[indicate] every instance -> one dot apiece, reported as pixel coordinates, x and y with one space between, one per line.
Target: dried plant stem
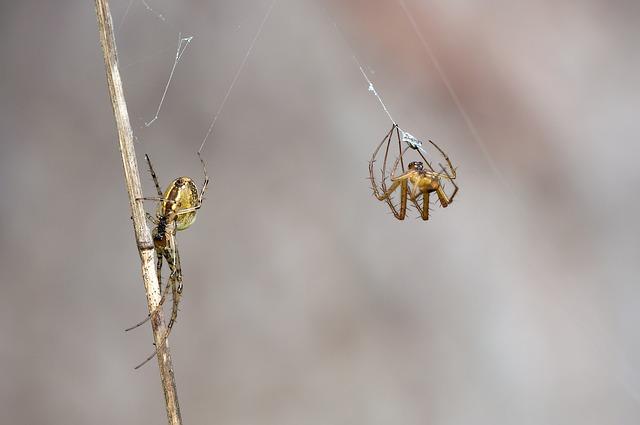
142 234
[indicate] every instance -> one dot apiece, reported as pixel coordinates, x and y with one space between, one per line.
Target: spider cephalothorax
416 181
176 211
416 165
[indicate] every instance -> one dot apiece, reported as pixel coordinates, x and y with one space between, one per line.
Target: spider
176 211
415 181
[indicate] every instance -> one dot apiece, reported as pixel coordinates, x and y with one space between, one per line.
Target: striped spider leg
176 211
379 192
415 182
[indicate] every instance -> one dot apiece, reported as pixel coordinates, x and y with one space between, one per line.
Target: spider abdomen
181 194
425 183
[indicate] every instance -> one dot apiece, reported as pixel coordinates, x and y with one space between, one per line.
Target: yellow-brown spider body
422 180
177 208
181 194
414 183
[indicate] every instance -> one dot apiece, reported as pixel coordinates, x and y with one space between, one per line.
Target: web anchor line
411 141
454 95
237 75
406 137
182 46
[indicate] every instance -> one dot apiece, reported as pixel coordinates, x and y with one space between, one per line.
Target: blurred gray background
305 301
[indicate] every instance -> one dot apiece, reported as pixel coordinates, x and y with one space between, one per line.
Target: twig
142 234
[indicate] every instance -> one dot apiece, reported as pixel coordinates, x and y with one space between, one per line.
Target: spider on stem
176 211
415 182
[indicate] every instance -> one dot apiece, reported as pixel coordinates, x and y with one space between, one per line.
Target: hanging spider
414 182
176 211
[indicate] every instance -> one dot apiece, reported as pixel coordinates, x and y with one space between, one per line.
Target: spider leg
163 294
402 182
453 170
165 291
176 275
398 138
403 200
396 181
152 355
426 161
164 339
206 179
375 152
444 199
424 210
153 175
379 192
155 198
188 210
399 160
414 195
176 287
151 218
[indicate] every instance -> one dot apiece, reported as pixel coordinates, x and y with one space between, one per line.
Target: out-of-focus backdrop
305 301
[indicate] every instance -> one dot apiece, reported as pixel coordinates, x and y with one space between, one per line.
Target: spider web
235 77
406 137
167 93
454 95
183 43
